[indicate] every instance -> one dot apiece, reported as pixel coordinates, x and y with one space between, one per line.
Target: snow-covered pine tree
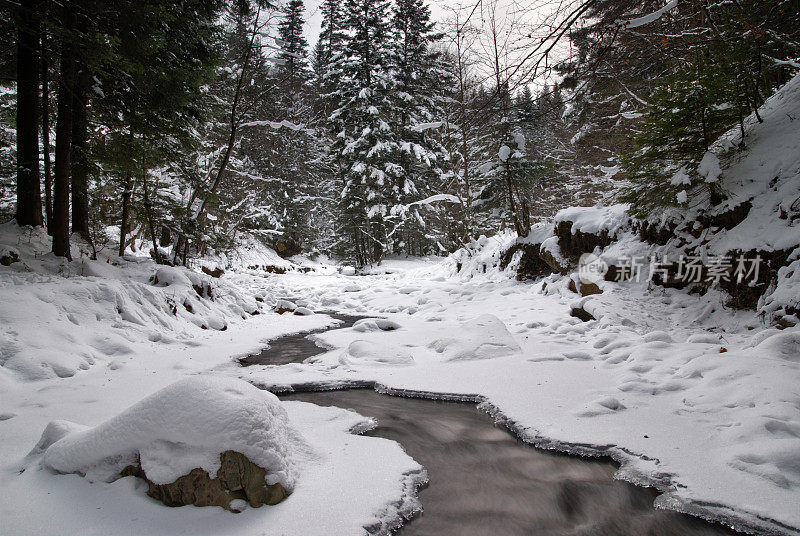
331 41
548 153
361 125
290 150
293 56
419 78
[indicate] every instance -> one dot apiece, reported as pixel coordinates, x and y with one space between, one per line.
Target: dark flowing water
484 481
295 348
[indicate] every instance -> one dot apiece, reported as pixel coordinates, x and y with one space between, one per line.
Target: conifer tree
419 79
364 139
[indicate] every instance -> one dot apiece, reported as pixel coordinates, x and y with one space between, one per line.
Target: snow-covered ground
83 347
697 399
700 400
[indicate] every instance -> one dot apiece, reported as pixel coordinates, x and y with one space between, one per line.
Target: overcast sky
439 12
531 19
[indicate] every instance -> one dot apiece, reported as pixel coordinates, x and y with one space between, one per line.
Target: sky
531 18
439 13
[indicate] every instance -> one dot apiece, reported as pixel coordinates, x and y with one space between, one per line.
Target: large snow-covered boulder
180 436
483 337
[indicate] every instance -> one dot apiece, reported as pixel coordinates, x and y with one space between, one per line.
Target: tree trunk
165 236
148 207
29 196
234 126
48 177
127 193
79 157
64 140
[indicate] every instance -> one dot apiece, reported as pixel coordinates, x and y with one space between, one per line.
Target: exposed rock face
656 234
531 264
237 478
548 258
584 289
574 245
581 314
746 293
728 219
287 248
8 257
216 272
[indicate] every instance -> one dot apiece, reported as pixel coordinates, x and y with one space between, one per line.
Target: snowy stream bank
646 384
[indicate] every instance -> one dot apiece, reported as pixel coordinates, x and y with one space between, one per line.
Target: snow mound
64 317
767 175
252 254
482 256
170 275
483 337
375 324
185 425
362 352
593 220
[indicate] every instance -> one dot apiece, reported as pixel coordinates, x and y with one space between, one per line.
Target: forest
186 124
413 267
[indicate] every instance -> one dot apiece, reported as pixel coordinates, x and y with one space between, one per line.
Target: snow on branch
427 126
647 19
274 124
434 198
402 210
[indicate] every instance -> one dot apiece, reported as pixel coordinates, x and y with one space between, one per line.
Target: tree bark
148 207
165 236
127 193
48 177
66 86
29 196
79 156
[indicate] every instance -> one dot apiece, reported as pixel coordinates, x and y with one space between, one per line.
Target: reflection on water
483 481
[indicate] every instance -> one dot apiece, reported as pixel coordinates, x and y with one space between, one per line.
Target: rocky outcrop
8 257
555 265
531 265
656 234
215 273
237 479
573 245
287 248
746 293
584 289
726 220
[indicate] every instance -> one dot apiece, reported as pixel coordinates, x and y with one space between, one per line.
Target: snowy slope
83 341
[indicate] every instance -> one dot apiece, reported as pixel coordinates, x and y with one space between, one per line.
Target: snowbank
594 220
184 426
70 316
252 254
483 337
362 352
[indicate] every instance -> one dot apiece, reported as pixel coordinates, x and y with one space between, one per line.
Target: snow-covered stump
177 438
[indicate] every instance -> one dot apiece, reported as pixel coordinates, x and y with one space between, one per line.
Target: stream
483 480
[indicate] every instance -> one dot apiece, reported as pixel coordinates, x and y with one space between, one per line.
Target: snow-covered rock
593 220
186 425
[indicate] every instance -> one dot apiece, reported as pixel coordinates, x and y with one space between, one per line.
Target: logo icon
591 268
